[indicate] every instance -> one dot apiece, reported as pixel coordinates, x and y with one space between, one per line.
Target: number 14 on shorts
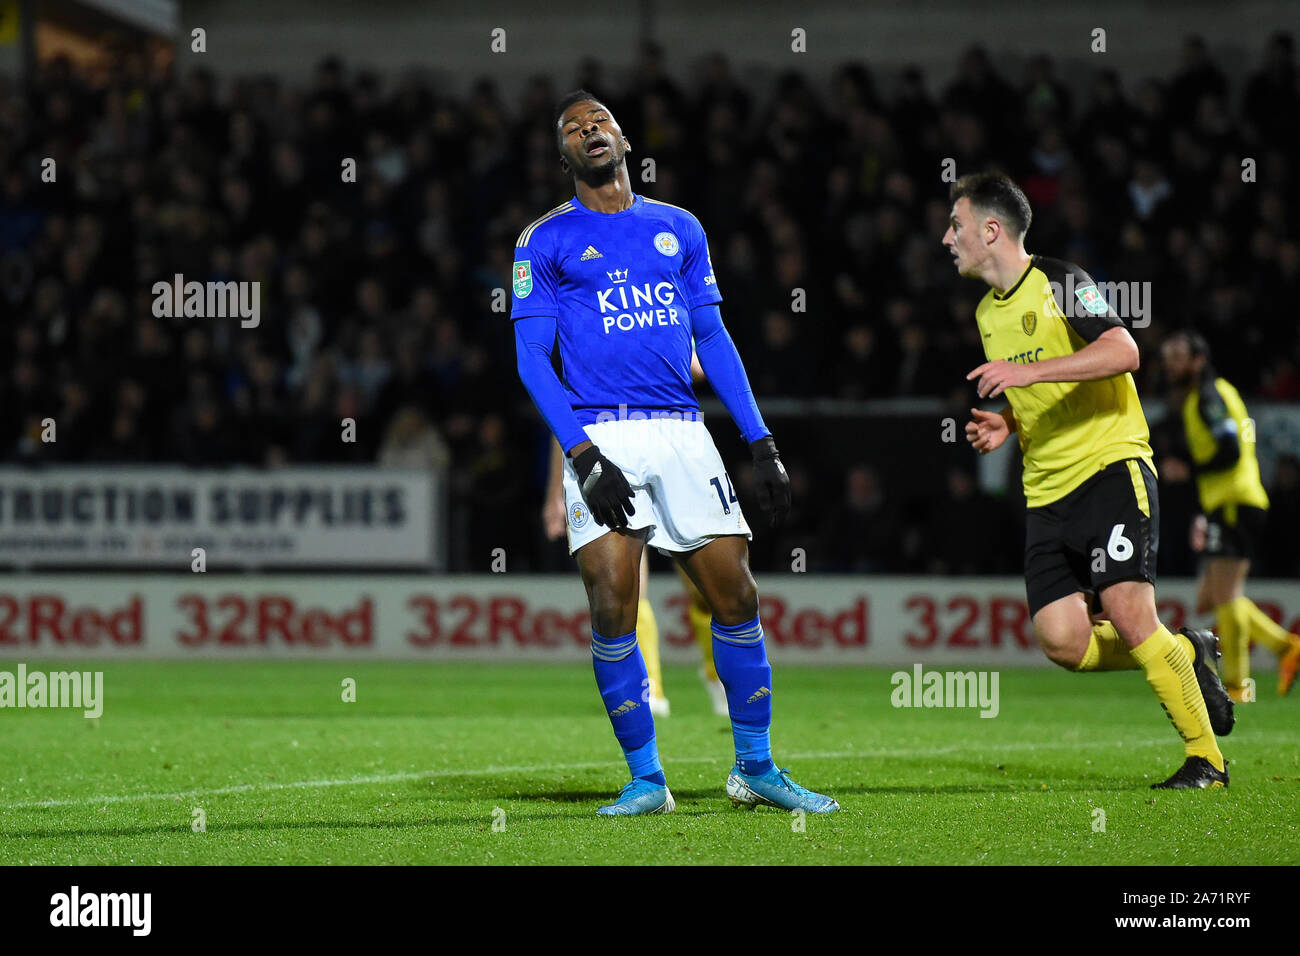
729 497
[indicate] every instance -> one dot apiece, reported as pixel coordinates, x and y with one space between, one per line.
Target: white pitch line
545 768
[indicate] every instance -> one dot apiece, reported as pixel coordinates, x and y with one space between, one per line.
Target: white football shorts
681 491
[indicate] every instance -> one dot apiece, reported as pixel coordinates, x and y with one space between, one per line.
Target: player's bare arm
1113 353
697 371
553 513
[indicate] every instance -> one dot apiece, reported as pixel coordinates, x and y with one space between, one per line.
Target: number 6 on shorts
1119 547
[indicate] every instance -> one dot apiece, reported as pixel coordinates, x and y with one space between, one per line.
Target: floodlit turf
415 771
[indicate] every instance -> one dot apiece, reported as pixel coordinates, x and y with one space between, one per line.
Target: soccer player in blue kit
622 284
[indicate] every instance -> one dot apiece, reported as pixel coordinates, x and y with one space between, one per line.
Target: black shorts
1106 530
1238 537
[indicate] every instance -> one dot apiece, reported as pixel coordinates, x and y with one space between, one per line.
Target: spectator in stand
862 533
964 516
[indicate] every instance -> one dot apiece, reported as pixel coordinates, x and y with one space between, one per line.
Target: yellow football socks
1263 630
1233 623
1168 667
701 624
1107 651
647 637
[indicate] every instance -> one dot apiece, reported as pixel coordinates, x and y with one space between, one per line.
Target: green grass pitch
431 756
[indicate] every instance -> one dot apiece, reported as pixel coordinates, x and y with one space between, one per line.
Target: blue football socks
625 688
740 657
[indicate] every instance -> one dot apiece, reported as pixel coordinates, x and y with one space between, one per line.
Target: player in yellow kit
1220 437
1063 359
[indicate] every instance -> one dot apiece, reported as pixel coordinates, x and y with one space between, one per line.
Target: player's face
1179 364
592 146
962 239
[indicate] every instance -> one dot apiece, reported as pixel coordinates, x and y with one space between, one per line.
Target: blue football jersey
621 287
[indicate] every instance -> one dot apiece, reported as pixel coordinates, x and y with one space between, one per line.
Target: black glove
604 487
771 483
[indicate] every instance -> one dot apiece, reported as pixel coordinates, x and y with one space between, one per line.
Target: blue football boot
776 789
640 797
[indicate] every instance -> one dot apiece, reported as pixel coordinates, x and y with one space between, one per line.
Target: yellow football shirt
1213 410
1068 431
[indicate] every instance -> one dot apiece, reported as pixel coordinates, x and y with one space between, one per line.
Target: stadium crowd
377 296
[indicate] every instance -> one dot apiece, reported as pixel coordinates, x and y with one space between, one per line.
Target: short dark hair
567 100
1194 341
995 192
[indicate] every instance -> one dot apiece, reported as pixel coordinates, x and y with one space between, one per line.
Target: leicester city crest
578 515
1029 322
523 278
666 243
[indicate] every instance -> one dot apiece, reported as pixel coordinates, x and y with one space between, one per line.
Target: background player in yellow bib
1064 359
1220 438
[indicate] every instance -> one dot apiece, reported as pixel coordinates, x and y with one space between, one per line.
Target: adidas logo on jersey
592 253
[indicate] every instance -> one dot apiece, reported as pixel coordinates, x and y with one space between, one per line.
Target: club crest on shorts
666 243
578 515
523 278
1029 322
